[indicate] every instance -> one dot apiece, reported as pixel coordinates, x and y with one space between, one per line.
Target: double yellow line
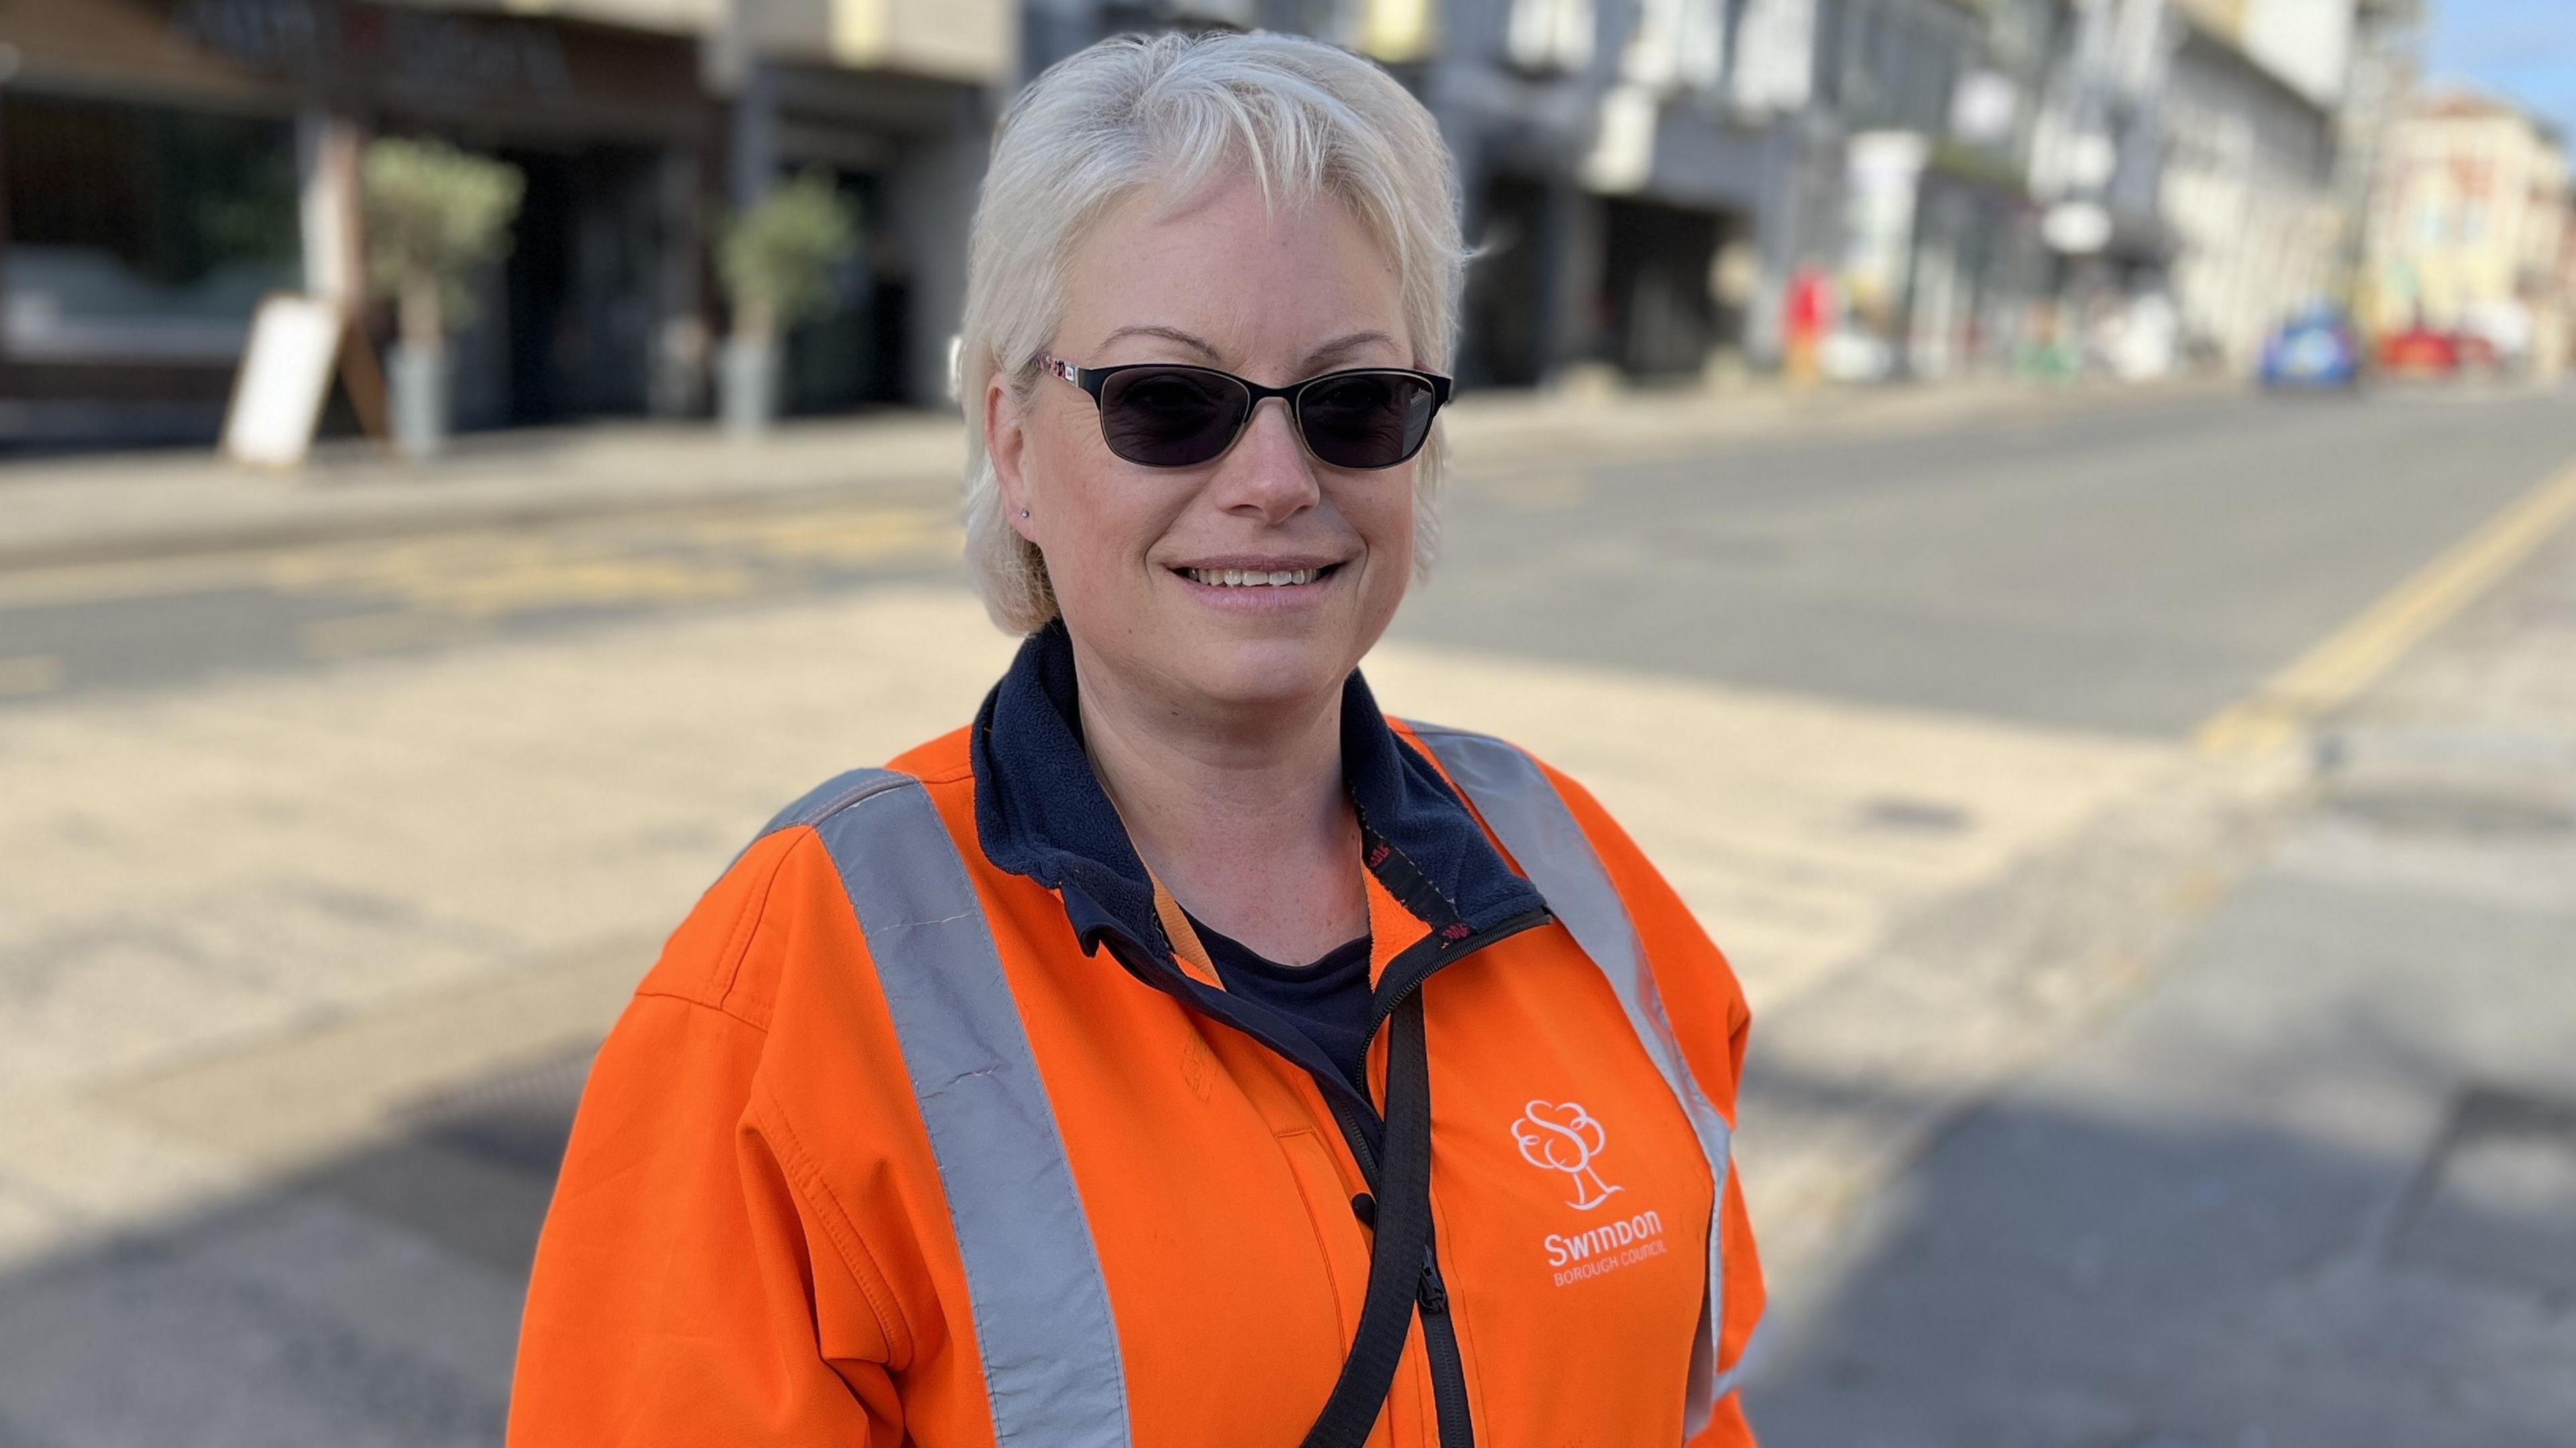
2329 675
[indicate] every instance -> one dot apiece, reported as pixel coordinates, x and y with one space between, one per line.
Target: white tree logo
1562 1136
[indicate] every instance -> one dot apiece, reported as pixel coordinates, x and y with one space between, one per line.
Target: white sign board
1622 158
285 375
1983 106
1775 54
1884 173
2078 228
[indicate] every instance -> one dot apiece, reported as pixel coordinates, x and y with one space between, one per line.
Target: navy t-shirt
1329 1000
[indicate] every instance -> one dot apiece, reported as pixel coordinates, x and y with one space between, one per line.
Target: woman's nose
1267 469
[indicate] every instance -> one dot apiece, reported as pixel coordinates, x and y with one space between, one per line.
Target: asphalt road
2130 570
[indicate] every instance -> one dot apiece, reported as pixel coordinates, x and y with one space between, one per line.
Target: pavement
2081 1046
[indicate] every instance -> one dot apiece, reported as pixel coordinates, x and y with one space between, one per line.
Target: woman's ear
1006 442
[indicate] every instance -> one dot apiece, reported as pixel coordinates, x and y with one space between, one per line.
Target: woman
1174 1057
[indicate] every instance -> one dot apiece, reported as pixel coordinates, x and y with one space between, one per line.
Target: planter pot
418 383
749 377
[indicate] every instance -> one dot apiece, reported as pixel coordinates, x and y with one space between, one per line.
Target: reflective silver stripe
1533 822
1043 1325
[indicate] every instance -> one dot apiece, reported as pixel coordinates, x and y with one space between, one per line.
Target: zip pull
1434 1294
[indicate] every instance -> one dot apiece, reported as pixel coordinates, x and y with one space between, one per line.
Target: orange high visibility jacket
888 1148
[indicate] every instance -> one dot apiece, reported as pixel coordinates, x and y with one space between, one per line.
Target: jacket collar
1040 812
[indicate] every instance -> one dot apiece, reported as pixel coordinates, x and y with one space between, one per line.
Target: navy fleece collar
1040 811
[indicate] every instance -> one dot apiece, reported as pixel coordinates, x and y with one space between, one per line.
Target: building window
141 231
1544 36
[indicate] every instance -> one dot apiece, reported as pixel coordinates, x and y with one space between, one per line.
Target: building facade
2470 229
165 163
1652 187
1637 176
2203 167
1940 265
2250 181
896 101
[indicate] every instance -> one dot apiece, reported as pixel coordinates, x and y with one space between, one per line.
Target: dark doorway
1661 311
852 355
580 286
1507 292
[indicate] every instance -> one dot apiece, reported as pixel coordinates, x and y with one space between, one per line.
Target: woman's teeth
1252 577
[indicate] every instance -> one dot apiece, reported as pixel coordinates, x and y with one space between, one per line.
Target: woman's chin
1264 673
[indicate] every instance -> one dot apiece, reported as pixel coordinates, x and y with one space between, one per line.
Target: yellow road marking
489 576
30 674
2332 673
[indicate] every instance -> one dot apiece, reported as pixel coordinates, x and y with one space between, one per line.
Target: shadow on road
371 1298
2050 1279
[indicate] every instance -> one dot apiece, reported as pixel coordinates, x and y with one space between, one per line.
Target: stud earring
1024 512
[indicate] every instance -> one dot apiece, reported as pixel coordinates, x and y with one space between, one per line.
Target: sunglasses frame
1095 380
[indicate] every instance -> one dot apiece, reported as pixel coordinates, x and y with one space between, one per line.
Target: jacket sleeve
689 1288
1708 1014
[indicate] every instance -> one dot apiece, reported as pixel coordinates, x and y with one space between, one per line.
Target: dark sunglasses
1167 415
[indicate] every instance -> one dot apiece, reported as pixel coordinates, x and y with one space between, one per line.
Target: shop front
165 163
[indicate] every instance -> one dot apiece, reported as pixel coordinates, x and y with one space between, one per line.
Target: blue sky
2523 49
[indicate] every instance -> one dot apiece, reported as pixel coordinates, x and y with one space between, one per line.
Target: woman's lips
1284 585
1283 575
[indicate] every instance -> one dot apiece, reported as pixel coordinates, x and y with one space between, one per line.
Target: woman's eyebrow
1314 360
1341 347
1196 344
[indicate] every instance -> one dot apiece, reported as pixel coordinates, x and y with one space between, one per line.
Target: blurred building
164 163
1939 262
1645 180
1636 174
896 99
2250 116
1652 186
2387 46
2471 228
2206 168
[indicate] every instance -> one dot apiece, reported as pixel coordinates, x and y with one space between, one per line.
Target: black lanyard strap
1401 1256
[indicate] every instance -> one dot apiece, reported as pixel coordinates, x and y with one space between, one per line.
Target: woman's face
1273 298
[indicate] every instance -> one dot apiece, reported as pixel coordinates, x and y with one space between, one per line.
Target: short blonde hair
1178 113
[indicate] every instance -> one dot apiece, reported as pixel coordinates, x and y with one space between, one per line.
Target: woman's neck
1244 817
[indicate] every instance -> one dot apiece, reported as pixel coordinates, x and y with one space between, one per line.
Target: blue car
2314 350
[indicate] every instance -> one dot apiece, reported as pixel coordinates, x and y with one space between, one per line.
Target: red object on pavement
2419 352
1807 305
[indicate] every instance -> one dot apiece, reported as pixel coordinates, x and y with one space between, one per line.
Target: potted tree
776 260
434 215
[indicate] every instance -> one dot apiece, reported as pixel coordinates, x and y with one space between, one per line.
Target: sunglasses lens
1367 419
1171 419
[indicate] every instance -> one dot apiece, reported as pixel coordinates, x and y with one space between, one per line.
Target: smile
1256 577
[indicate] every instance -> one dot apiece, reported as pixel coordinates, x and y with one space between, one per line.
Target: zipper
1431 1292
1448 1369
1431 1296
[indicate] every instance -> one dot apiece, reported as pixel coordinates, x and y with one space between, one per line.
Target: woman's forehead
1230 273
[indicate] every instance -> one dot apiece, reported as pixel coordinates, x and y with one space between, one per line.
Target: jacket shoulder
782 898
937 761
1476 763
